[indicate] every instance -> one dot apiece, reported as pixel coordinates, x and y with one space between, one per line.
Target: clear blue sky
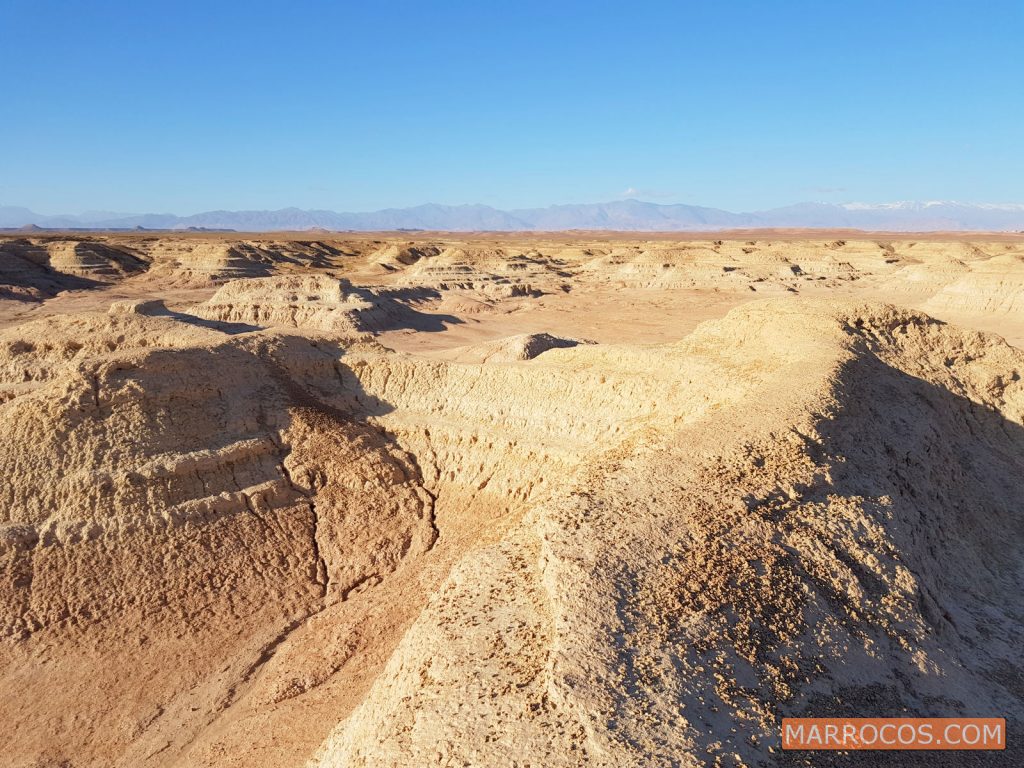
187 106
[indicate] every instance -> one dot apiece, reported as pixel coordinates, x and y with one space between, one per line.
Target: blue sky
189 106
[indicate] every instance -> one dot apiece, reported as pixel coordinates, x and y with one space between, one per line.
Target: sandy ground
505 500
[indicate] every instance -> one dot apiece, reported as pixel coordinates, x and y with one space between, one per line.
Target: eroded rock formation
313 517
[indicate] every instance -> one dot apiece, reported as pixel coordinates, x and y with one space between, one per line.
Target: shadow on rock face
393 310
319 303
157 308
201 504
26 274
886 584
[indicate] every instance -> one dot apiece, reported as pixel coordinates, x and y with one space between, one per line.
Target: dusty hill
599 502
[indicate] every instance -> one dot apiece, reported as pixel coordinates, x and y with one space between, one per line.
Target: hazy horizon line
852 204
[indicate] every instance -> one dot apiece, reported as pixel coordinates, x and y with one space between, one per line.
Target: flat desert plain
414 499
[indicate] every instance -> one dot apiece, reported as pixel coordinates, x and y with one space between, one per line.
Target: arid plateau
325 500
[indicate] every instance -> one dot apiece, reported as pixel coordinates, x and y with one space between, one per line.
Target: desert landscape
580 499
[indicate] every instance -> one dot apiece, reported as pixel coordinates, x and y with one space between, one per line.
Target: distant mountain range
628 215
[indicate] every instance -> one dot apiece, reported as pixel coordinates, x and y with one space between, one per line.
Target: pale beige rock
523 346
317 302
371 501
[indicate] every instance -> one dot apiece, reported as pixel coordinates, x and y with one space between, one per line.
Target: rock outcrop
299 519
